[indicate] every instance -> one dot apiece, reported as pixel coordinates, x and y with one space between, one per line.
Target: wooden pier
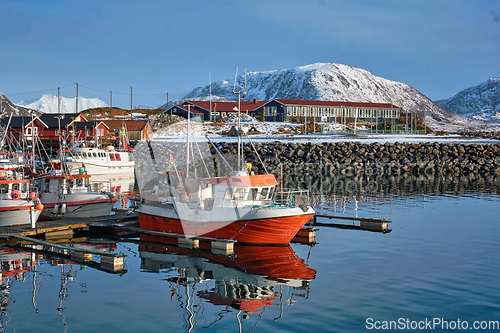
64 227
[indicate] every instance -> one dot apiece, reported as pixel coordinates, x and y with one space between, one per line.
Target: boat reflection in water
252 279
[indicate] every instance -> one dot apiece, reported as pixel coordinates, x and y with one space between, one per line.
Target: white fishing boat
73 195
18 204
100 161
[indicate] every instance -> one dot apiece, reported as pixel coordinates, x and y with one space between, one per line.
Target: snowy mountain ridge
479 102
48 104
333 82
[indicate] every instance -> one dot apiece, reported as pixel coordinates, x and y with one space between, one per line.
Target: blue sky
439 47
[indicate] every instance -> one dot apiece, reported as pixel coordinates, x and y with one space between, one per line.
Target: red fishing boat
242 206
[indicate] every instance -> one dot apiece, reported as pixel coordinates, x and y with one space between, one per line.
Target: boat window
79 182
61 183
69 182
4 188
253 193
111 157
239 194
15 187
271 192
24 187
117 156
84 154
263 193
229 193
94 154
86 182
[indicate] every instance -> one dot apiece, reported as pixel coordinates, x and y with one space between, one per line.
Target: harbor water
437 268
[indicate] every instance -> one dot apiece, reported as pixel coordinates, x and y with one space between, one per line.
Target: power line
81 86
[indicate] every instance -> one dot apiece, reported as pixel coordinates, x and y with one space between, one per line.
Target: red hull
279 230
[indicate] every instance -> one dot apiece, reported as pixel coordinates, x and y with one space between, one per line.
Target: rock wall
354 158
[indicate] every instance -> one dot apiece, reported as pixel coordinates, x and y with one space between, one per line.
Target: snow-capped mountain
479 102
48 104
334 82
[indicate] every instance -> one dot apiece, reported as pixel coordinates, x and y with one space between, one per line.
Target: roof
52 121
227 106
185 108
85 124
18 122
130 125
305 102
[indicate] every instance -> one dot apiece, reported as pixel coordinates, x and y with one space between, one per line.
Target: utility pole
210 99
76 97
130 98
110 99
58 99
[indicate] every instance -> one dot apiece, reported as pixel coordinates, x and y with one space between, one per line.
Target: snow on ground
270 132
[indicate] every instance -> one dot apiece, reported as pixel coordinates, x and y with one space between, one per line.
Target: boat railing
292 198
100 187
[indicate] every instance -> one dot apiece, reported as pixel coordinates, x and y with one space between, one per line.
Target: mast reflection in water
247 282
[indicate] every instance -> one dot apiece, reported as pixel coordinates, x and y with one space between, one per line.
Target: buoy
114 200
56 209
16 195
33 195
39 207
63 208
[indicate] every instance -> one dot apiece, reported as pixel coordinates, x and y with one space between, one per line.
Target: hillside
335 82
118 113
480 102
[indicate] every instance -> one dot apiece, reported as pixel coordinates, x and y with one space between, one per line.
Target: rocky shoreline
355 158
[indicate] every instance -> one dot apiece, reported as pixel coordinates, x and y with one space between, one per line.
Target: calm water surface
441 260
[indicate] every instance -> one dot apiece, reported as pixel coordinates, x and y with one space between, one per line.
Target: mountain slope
335 82
481 101
48 104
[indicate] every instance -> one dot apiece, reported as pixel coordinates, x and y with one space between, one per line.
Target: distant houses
49 127
287 110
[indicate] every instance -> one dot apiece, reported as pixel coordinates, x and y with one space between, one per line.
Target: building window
269 110
29 131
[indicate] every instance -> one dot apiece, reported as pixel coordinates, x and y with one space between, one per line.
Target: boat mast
188 133
239 92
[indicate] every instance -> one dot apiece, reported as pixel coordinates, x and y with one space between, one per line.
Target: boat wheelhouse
98 161
75 196
18 204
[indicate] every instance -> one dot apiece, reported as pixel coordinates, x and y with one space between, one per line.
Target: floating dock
368 224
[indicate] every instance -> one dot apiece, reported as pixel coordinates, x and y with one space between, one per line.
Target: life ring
15 195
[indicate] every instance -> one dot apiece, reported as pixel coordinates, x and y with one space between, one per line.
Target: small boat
241 207
73 195
99 161
18 204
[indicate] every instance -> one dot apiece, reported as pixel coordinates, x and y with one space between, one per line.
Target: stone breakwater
355 158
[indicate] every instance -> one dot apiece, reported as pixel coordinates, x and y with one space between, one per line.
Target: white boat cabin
228 191
14 189
66 184
109 154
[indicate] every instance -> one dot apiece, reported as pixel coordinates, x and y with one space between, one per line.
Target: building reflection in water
252 279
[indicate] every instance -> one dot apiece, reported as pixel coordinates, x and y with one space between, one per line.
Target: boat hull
265 230
15 212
